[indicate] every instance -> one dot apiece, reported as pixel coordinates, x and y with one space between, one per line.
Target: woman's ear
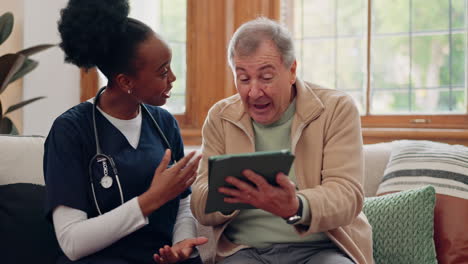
124 83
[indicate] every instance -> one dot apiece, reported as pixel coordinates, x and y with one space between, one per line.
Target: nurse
115 193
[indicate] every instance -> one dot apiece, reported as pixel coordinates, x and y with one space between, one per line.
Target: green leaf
33 50
6 126
9 65
6 26
27 66
19 105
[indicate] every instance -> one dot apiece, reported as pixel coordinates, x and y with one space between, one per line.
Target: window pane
351 67
401 101
350 64
176 104
458 59
395 101
298 27
459 8
169 19
319 18
173 19
390 16
390 74
318 62
421 69
351 17
329 41
430 15
428 56
418 52
390 62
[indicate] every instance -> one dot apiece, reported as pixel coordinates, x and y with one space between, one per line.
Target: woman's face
153 77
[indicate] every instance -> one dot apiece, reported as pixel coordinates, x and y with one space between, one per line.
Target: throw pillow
415 163
402 226
26 235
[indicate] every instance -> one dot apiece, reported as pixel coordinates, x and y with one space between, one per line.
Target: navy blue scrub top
70 146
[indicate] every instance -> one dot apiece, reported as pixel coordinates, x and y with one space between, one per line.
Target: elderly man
314 214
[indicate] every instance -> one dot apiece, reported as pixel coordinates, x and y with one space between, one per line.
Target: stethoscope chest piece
106 182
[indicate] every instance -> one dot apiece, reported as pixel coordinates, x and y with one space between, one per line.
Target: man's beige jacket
327 143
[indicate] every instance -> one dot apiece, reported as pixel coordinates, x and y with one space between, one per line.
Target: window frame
211 23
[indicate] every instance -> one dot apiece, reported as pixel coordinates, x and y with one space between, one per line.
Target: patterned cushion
402 226
416 163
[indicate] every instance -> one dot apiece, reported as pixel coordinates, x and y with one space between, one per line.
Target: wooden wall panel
245 10
89 82
206 58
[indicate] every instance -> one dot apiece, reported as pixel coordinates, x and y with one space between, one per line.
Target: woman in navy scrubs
114 191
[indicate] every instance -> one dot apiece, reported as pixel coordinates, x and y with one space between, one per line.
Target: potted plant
14 66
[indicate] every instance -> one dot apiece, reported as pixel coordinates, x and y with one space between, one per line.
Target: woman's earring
129 91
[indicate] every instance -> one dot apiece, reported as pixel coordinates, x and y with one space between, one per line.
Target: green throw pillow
403 226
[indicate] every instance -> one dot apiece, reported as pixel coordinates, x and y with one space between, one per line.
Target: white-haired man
314 214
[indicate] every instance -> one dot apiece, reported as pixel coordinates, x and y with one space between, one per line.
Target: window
169 19
198 32
406 68
330 41
404 61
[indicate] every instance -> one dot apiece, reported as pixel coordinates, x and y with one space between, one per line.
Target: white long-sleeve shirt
80 236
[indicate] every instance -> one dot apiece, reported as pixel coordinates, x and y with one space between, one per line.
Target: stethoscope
106 160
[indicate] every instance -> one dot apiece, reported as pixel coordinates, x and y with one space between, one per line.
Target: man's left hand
279 200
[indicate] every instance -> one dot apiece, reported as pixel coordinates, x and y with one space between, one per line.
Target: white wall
58 81
14 92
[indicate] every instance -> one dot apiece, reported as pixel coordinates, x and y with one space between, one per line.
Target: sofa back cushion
21 159
415 163
375 161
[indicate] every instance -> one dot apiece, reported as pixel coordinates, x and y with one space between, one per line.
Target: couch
21 214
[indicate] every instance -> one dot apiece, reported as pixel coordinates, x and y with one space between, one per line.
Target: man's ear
293 68
124 82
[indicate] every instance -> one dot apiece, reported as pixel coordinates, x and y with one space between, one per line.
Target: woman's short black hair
100 33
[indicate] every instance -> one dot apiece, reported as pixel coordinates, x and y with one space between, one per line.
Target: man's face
264 83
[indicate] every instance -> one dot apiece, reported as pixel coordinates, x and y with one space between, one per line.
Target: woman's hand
169 182
178 252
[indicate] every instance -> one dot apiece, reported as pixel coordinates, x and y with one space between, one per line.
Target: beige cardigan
327 143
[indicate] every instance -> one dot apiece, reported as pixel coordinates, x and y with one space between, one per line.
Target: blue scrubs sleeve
65 169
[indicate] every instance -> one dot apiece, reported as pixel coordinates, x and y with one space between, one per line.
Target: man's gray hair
248 37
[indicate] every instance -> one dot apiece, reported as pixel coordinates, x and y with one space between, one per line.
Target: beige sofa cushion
21 159
376 157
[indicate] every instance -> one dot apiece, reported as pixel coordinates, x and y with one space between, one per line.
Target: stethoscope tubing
112 163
